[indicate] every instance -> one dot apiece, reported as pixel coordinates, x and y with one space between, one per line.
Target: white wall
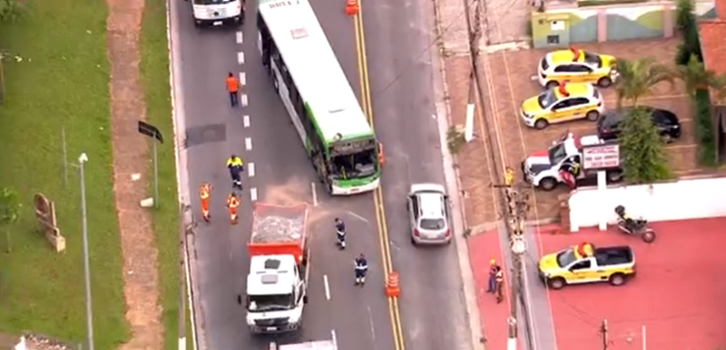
684 199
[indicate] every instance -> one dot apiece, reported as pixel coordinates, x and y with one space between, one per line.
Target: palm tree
637 77
697 77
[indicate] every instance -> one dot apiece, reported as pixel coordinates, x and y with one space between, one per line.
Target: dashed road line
239 37
241 57
253 194
327 287
248 143
244 100
242 78
251 169
246 121
315 194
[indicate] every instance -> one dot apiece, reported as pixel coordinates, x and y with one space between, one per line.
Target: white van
217 12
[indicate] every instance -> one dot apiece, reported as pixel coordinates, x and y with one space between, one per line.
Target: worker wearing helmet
361 267
340 232
236 167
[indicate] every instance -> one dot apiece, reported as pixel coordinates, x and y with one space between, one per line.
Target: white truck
217 12
562 163
312 345
278 277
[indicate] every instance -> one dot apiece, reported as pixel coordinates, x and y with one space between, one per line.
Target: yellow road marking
393 310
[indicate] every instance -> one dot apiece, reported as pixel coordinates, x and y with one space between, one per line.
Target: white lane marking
242 78
253 194
334 337
246 121
248 143
239 37
358 216
251 169
241 57
244 100
327 287
315 194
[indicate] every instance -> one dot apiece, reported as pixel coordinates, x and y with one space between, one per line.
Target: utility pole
517 205
604 334
86 264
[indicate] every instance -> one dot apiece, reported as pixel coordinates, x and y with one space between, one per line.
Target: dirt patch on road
141 280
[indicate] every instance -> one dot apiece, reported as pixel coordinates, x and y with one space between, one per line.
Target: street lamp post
86 264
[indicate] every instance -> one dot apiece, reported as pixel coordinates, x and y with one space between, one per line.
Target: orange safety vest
232 203
381 156
204 191
232 85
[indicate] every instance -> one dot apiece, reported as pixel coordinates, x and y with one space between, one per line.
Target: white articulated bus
335 132
217 12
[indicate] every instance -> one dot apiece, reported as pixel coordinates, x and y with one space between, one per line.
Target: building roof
713 46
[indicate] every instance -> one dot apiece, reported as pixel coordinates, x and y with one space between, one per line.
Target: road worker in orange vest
499 285
232 204
204 193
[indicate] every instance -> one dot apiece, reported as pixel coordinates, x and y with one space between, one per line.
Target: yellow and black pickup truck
584 263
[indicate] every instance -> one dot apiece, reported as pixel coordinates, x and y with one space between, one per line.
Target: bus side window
312 133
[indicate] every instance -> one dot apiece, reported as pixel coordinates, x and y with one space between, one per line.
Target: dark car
667 123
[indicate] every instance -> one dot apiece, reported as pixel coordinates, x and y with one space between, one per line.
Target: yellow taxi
563 103
577 66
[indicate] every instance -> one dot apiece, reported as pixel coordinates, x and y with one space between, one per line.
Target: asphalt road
432 306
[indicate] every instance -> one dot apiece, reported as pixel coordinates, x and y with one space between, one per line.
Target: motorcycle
634 227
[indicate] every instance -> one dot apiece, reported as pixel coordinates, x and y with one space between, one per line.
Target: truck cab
586 264
276 293
562 163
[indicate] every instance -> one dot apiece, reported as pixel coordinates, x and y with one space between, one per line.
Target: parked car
428 211
667 123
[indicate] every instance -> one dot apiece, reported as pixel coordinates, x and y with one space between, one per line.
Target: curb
453 184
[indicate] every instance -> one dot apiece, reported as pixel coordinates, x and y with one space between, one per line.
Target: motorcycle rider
361 267
630 224
340 232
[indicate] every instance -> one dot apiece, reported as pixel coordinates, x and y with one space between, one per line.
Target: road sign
150 131
153 132
603 156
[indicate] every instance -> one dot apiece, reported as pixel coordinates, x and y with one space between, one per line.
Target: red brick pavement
678 294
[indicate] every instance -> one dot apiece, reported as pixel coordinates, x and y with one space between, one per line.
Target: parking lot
675 301
510 77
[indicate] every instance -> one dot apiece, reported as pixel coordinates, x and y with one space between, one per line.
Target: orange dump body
278 230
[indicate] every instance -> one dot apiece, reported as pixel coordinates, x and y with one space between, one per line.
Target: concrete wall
683 199
608 23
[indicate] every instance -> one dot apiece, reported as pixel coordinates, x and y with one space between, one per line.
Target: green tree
686 25
644 159
638 77
696 76
11 10
9 212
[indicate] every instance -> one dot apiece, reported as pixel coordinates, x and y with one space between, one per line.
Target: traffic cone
392 289
351 7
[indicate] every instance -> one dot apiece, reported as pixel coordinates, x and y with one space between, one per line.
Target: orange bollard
392 289
351 7
381 156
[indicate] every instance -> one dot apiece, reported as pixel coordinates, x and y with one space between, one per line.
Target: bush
703 128
643 155
687 26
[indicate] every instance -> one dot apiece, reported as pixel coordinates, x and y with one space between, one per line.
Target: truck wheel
548 183
615 176
617 279
557 283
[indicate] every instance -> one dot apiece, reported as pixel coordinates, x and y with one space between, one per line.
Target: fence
562 24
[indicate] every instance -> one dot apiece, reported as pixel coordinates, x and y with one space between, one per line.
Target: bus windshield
213 2
357 165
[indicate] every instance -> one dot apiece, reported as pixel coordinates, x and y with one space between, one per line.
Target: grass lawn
62 82
155 77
